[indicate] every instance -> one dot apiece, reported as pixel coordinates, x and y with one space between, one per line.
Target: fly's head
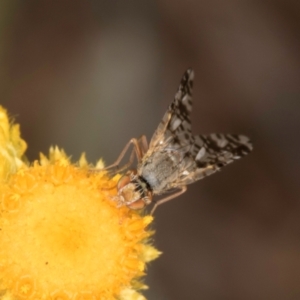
133 191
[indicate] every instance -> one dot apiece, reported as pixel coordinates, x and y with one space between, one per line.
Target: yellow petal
12 147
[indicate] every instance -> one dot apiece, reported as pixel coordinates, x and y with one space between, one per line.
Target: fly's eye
124 180
139 204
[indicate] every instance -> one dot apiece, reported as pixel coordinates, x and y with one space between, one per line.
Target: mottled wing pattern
209 153
201 155
174 131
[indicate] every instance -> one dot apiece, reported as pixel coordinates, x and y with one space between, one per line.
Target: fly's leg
143 145
140 147
168 198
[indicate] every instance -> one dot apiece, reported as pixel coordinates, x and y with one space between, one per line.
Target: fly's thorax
134 191
160 169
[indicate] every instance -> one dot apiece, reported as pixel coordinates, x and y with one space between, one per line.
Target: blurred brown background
89 75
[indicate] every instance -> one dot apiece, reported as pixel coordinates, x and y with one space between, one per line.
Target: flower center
64 236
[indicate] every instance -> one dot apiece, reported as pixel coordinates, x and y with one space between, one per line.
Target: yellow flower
12 147
61 234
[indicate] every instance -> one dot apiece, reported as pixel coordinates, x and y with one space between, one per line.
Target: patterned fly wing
174 130
209 153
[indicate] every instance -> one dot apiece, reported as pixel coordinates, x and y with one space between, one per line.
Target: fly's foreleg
168 198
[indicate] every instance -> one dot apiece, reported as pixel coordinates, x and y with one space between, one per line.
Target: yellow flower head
61 234
12 147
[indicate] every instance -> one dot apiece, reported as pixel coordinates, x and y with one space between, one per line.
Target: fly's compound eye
139 204
124 180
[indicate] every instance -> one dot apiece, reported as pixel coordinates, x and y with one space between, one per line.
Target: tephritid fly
175 157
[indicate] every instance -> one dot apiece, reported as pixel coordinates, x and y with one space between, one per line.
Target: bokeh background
90 75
